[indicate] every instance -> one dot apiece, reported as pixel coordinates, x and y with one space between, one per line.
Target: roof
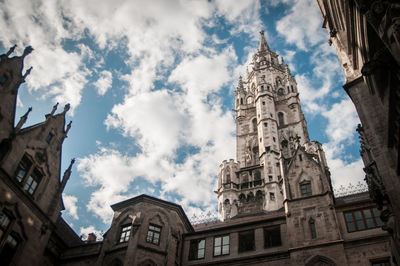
154 200
241 220
66 233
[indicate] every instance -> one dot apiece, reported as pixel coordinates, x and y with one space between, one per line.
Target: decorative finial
68 127
66 176
23 120
27 51
240 83
54 109
67 107
11 50
262 32
28 71
263 43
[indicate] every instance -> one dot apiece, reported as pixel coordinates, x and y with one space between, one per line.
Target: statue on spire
263 43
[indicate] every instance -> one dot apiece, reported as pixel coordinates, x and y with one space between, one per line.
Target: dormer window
32 181
125 233
153 234
49 137
27 175
305 189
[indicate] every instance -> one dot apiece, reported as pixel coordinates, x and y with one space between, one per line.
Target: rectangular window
272 196
221 245
270 178
305 189
23 168
197 249
362 219
125 233
32 181
272 237
5 220
153 234
246 241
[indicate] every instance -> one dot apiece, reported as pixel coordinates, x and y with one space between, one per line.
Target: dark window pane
246 241
359 220
272 237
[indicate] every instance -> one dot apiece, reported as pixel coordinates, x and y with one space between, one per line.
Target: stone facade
366 35
275 201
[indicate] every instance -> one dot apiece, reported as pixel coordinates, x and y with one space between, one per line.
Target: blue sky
151 88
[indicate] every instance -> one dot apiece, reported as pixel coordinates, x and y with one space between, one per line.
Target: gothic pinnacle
240 84
263 43
23 120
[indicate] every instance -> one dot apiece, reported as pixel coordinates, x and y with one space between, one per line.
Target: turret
11 78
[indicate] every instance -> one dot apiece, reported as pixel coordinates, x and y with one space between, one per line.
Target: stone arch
250 196
319 260
147 262
259 195
249 99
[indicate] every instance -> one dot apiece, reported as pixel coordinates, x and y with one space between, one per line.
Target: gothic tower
270 132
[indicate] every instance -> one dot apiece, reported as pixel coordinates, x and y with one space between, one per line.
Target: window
49 137
362 219
381 262
246 241
263 103
272 196
265 124
3 79
5 220
254 122
281 119
23 168
313 231
270 178
272 237
257 178
300 158
32 181
153 234
221 245
305 189
241 100
197 248
125 233
27 175
8 250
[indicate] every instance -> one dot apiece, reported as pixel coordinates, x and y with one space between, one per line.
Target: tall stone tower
270 131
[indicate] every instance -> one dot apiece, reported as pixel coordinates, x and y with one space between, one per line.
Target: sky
151 86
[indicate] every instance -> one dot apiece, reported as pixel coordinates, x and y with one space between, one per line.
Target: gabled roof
156 201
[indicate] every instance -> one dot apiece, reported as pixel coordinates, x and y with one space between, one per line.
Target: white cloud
104 82
85 231
70 203
301 26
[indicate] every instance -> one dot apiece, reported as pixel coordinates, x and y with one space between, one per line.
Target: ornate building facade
366 35
275 200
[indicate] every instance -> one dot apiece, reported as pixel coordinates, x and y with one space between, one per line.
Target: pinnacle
263 43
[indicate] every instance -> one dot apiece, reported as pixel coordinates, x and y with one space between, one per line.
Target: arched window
242 197
226 202
257 178
281 92
291 86
241 100
281 119
259 195
262 88
254 122
249 100
313 231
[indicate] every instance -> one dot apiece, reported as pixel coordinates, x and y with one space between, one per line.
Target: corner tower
270 128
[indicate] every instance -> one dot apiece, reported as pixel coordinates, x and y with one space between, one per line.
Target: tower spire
263 43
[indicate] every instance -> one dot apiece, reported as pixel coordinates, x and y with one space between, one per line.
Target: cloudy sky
151 88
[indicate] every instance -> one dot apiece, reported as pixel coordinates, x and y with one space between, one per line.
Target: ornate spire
27 72
263 43
68 127
11 50
240 84
66 108
66 176
54 109
23 120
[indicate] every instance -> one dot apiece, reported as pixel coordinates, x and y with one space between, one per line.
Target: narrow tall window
153 234
313 231
5 221
281 120
125 233
246 241
272 196
221 245
254 122
197 248
23 168
272 237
